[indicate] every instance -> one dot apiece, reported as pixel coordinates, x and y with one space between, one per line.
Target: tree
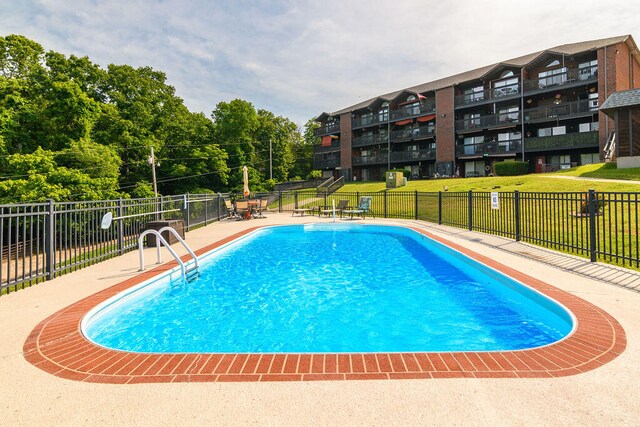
234 126
279 132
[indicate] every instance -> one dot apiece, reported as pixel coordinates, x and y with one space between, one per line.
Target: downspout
606 121
522 111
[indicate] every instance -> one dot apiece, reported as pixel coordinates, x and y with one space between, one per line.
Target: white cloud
298 58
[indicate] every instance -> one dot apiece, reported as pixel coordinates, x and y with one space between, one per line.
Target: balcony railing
375 119
562 142
361 141
325 163
573 76
562 110
489 121
335 146
410 156
489 148
329 128
369 160
413 110
413 133
488 95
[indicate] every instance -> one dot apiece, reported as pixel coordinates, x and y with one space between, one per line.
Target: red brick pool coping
57 346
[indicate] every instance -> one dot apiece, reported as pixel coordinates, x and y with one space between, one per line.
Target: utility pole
270 161
152 162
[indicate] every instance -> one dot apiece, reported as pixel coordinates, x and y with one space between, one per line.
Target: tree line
71 130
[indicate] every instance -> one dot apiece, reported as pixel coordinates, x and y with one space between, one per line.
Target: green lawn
533 182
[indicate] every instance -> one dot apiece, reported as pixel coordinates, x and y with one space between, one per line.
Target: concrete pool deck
606 394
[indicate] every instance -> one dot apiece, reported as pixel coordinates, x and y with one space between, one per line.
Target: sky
300 58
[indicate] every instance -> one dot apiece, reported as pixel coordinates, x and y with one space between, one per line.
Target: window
505 87
474 94
588 127
589 158
553 63
507 141
509 114
470 144
383 114
471 121
552 77
474 168
588 70
366 118
558 130
593 101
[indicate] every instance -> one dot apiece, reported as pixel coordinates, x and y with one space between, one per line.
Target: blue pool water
330 288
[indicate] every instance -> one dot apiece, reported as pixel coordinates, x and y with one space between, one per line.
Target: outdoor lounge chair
301 211
364 207
263 206
340 207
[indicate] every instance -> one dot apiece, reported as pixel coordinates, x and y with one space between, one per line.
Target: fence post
516 205
416 205
384 197
206 211
470 210
188 213
439 207
120 214
49 246
325 199
295 200
280 201
218 203
592 225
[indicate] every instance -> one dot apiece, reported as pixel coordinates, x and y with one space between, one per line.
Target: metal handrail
158 234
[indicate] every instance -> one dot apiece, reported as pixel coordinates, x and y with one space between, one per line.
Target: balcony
325 163
488 95
376 159
420 132
413 156
328 129
563 110
335 146
361 141
488 122
562 142
413 110
375 119
493 148
569 78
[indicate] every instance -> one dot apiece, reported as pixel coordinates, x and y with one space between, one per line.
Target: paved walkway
603 396
585 178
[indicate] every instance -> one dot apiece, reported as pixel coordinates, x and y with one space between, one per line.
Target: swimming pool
330 288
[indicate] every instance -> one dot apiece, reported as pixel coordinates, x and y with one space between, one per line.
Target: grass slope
546 182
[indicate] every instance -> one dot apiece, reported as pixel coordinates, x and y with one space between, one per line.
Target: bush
314 174
511 168
405 173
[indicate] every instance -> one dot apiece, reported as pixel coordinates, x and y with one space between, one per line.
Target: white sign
494 201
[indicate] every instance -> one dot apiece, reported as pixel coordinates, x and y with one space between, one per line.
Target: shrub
314 174
511 168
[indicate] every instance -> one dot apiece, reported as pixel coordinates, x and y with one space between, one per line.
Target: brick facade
445 121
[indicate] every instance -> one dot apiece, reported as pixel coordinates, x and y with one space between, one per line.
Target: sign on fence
494 201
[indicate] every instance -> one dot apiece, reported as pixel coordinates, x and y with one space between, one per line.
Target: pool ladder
188 273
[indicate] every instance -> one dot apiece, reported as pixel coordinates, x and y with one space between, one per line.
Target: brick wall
345 143
445 122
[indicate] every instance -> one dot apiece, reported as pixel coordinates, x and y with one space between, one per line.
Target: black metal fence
42 240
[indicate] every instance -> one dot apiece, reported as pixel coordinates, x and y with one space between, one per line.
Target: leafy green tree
20 57
234 127
279 132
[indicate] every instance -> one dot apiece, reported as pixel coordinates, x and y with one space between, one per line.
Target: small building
624 108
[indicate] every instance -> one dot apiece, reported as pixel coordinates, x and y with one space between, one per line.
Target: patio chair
263 206
231 210
242 209
364 207
340 207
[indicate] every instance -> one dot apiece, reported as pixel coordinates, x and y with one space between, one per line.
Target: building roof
565 49
627 98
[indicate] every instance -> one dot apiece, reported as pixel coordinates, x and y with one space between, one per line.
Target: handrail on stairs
158 234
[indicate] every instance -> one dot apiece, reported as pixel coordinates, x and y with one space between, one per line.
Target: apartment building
542 108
